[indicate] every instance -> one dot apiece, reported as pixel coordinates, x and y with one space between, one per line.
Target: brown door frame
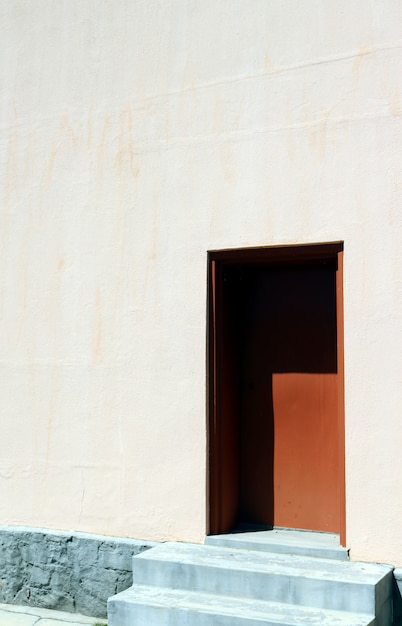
265 256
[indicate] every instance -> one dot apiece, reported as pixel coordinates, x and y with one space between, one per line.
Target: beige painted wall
135 136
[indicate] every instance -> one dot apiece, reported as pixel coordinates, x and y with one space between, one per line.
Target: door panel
306 487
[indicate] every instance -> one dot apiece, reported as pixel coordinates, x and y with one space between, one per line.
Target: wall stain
318 135
226 158
358 61
290 136
241 105
67 132
48 173
11 188
269 66
97 345
53 322
63 144
82 495
188 77
29 159
89 127
395 104
102 143
125 160
24 303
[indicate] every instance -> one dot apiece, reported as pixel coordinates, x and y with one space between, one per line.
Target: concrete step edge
142 597
218 557
317 545
340 585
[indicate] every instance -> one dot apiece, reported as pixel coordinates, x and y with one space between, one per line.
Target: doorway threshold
284 541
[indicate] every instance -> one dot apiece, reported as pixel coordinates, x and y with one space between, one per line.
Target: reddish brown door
276 435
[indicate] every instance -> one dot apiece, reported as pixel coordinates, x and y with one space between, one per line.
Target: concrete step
303 543
179 584
289 579
153 606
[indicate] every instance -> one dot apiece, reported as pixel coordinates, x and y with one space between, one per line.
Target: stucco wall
134 137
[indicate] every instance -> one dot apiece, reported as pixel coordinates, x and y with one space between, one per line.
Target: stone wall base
66 571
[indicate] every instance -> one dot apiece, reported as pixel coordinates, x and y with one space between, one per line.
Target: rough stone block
39 576
115 557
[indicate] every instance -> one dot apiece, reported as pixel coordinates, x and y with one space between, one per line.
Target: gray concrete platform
11 615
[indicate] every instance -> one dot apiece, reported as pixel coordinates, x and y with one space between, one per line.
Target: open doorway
275 387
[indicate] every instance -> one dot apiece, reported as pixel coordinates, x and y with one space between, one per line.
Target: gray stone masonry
66 571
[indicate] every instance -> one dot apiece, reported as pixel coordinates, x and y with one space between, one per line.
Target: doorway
275 388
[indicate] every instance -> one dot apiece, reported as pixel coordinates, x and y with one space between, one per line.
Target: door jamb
217 259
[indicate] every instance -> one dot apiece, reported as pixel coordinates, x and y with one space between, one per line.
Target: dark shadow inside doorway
283 321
